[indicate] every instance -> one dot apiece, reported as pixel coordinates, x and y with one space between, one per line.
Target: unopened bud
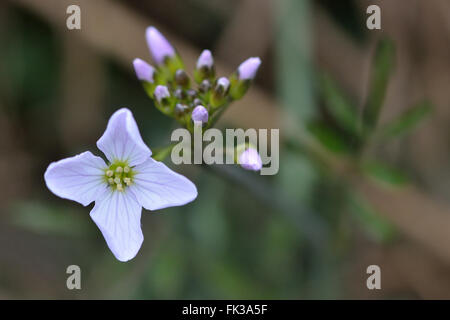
205 86
161 93
159 47
181 109
143 70
181 78
247 69
200 114
250 160
179 94
205 67
222 85
205 60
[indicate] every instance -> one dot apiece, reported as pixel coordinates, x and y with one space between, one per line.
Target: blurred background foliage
363 178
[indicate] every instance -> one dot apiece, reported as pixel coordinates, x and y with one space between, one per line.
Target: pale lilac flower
250 160
143 70
205 60
247 69
131 180
200 114
224 83
159 47
161 92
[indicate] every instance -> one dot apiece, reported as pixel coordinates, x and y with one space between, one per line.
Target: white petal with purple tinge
122 140
118 216
157 187
78 178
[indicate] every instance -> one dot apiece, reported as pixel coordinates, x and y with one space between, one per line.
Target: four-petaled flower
131 180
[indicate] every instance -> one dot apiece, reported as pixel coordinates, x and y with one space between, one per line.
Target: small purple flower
159 47
143 70
224 83
200 114
205 60
131 180
250 160
247 69
161 92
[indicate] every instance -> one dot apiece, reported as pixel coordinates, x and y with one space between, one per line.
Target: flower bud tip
247 69
200 114
143 70
159 47
250 160
161 92
205 60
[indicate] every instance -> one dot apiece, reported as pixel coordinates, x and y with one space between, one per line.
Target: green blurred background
340 202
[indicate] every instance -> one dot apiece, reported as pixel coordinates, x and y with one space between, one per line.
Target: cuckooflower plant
129 181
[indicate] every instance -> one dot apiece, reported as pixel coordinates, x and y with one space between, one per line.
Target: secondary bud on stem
200 114
161 93
180 109
205 86
181 78
159 47
247 69
144 71
220 92
179 94
205 67
250 159
241 79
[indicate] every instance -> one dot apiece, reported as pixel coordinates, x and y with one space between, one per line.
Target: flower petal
122 140
78 178
118 216
156 186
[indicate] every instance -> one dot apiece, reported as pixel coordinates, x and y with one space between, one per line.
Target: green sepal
238 88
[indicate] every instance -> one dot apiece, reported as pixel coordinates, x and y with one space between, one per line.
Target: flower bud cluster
173 92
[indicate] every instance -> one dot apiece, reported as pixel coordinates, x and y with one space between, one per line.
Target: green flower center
119 175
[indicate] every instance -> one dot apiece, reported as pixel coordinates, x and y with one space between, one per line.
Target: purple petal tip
247 70
143 70
159 47
250 160
200 114
205 59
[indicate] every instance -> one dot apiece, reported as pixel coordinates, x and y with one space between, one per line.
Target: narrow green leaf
385 173
159 154
338 105
329 138
371 221
407 121
382 68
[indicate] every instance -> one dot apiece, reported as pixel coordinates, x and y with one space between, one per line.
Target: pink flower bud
205 60
200 114
247 69
161 92
250 160
143 70
159 47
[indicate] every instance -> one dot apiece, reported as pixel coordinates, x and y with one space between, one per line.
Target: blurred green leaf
377 226
338 105
407 121
384 173
329 138
159 154
45 219
382 68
